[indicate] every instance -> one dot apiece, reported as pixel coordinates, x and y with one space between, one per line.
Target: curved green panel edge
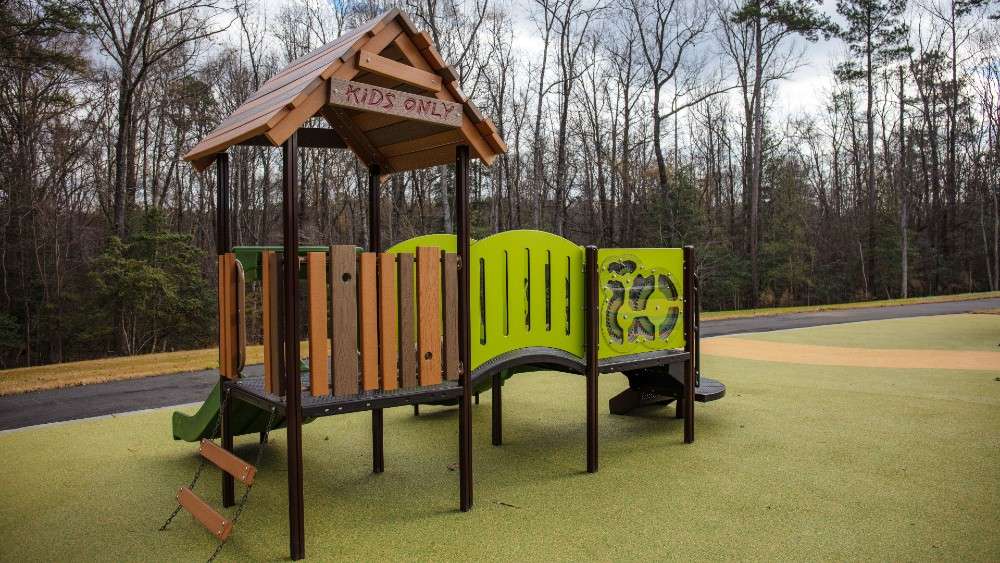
447 243
527 289
642 300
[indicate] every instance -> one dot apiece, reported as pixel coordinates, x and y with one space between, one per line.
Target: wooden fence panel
368 321
407 329
429 314
450 296
316 273
387 321
344 319
273 342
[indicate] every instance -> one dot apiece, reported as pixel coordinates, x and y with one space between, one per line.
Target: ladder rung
239 469
202 512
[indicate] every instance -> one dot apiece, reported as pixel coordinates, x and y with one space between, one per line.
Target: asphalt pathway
102 399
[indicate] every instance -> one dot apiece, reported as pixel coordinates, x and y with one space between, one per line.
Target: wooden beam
354 137
296 117
309 137
406 74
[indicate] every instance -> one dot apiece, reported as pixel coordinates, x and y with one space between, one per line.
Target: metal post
592 330
497 408
222 233
464 356
222 246
293 384
690 335
375 245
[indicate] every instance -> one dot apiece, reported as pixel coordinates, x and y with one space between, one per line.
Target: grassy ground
768 311
797 462
948 332
68 374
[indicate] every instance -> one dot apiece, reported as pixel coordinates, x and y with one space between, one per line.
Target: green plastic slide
246 419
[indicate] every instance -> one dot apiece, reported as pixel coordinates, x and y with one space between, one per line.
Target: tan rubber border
784 352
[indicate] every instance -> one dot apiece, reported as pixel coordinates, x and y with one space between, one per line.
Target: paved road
71 403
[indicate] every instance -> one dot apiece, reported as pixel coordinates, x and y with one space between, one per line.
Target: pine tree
877 37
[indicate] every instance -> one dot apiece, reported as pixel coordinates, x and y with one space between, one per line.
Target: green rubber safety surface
819 463
943 332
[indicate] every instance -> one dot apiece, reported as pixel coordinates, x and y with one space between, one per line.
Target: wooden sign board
366 97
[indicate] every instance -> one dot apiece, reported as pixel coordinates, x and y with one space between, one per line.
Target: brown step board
220 526
239 469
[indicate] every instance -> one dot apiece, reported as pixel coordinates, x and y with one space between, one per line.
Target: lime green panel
642 307
519 294
444 242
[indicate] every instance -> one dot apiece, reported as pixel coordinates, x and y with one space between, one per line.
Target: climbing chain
246 492
201 462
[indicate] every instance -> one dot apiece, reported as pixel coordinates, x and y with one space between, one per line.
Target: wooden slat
429 314
407 329
227 332
271 290
368 320
241 317
316 272
344 319
226 461
449 285
387 321
219 526
376 64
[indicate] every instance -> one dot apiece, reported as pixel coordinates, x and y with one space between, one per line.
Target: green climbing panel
642 305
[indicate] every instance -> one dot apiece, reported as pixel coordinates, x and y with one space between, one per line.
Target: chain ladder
246 492
202 461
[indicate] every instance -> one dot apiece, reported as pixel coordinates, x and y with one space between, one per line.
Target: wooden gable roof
385 59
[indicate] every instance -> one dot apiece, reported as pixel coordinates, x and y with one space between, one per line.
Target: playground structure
434 319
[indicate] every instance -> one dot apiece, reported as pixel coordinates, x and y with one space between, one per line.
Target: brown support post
697 331
293 384
690 335
375 245
592 331
497 408
464 350
222 246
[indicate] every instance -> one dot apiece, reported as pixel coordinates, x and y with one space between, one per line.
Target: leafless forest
630 123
